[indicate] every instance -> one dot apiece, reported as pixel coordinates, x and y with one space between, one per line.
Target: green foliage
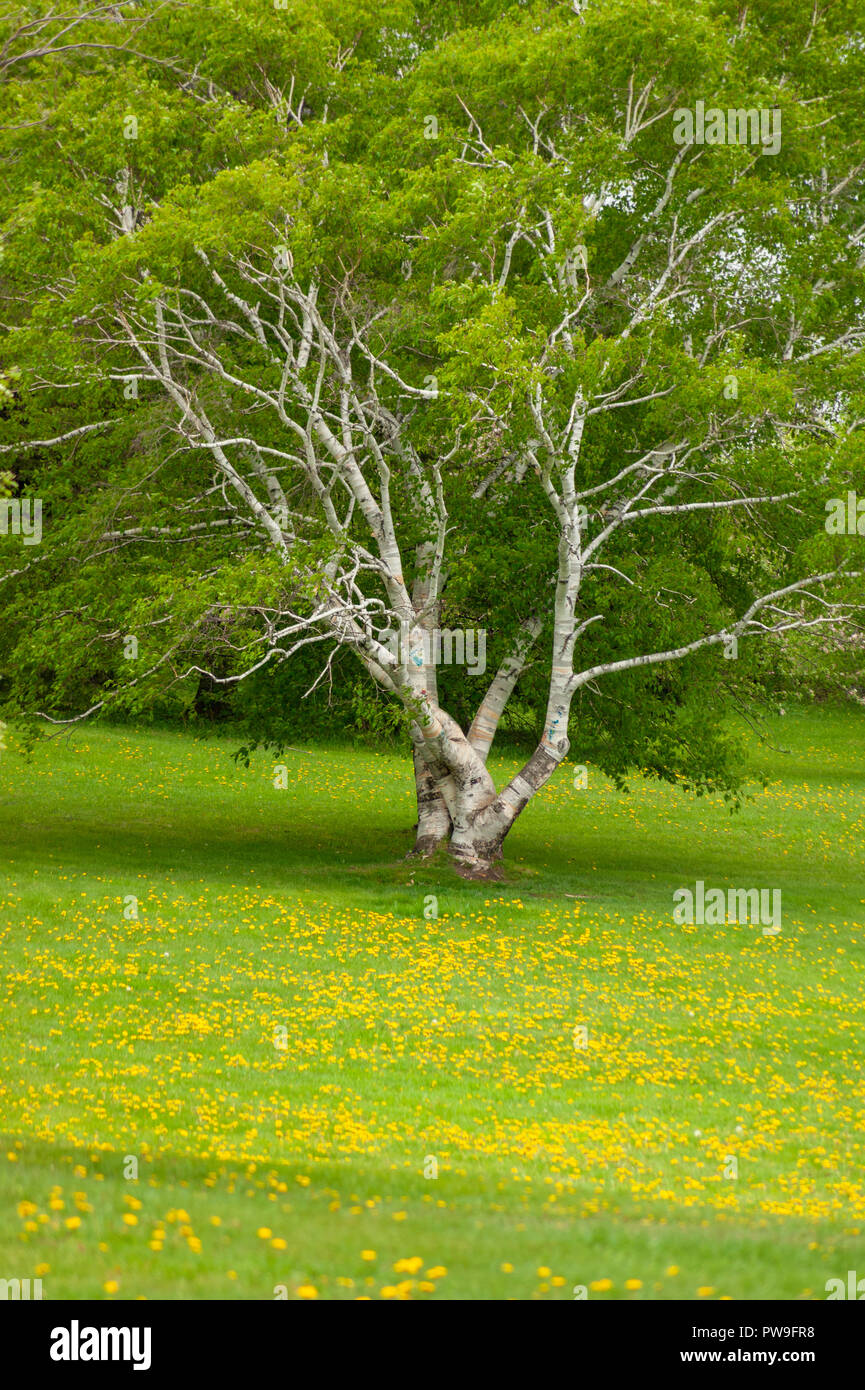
308 125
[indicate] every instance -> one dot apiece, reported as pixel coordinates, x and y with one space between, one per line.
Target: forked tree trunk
457 801
458 805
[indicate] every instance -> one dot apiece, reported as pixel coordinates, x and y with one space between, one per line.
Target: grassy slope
408 1037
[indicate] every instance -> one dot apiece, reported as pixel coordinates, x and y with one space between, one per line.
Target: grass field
287 1039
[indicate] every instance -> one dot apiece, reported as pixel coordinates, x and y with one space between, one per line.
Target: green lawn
284 1041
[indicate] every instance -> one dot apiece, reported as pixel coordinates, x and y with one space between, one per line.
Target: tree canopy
322 320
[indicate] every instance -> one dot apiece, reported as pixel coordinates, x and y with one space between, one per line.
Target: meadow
248 1050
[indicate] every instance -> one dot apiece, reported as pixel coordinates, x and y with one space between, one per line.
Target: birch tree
512 309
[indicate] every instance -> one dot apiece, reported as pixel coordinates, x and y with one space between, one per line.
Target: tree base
482 871
483 866
425 847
